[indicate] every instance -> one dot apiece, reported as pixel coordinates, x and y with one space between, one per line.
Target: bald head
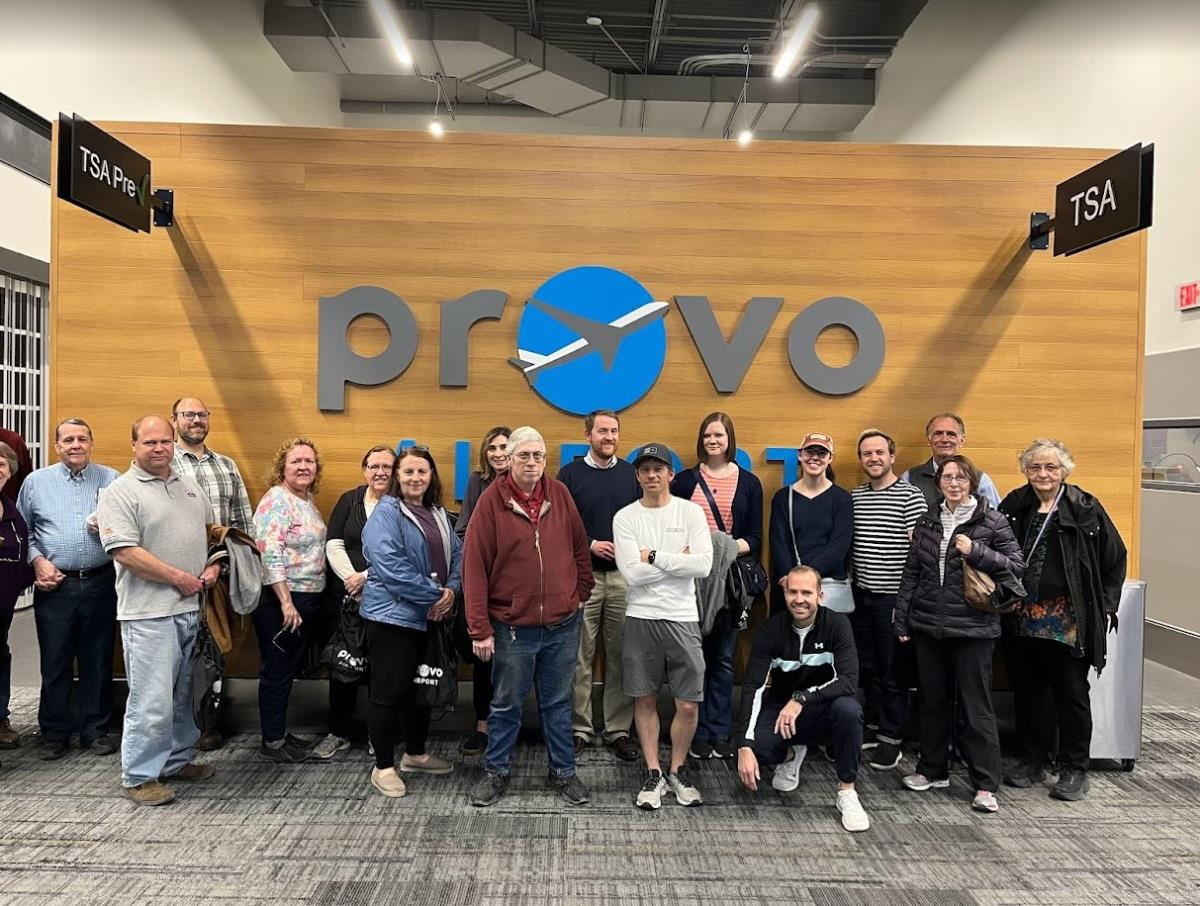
153 445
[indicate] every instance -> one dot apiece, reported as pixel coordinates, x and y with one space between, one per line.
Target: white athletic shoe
328 747
854 817
649 797
787 775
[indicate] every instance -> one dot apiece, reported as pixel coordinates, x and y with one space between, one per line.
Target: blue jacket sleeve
456 562
393 565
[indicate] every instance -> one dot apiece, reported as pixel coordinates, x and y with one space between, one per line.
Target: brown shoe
9 738
149 793
209 742
191 772
581 745
626 749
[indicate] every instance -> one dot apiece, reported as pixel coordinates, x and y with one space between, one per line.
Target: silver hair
10 455
525 435
1047 445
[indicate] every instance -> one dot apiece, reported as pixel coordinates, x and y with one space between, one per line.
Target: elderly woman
291 535
1076 565
954 641
415 573
732 501
15 576
493 462
346 577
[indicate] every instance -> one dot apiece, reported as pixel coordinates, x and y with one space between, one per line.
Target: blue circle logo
591 338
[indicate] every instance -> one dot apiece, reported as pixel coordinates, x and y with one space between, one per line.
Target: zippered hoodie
399 590
518 574
826 669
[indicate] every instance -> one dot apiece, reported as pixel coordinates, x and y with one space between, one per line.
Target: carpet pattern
316 834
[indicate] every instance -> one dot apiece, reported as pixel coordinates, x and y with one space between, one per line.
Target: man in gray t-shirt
154 523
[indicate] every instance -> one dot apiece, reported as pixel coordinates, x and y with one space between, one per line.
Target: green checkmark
143 189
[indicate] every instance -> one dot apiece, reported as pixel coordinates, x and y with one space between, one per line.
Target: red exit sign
1189 296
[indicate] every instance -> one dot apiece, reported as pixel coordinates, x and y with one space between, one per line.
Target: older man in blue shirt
75 599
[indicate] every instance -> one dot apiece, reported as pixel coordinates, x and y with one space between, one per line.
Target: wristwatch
650 559
801 696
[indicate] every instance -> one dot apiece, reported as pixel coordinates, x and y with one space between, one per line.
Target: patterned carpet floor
316 834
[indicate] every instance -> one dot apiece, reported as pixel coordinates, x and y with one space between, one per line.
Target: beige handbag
978 588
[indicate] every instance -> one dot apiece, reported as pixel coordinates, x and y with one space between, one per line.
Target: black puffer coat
927 604
1094 559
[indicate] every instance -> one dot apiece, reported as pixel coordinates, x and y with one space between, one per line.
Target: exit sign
1188 296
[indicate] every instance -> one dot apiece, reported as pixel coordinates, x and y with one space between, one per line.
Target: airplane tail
529 363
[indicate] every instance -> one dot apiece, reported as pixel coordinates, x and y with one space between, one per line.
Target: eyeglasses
955 479
815 452
530 456
189 415
1050 468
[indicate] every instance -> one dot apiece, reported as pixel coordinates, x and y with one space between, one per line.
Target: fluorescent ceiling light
805 23
385 13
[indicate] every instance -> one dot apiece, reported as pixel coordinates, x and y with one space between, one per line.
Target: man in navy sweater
601 484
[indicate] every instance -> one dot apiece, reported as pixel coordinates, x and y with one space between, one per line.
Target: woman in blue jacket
415 572
736 508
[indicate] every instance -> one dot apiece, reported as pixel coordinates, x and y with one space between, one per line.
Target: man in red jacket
527 570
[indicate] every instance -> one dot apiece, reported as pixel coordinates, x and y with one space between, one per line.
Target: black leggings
481 671
396 652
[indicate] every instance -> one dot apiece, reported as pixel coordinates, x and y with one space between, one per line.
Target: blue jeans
75 625
280 655
160 729
529 656
717 708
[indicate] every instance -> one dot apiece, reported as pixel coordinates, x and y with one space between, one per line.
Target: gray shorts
655 651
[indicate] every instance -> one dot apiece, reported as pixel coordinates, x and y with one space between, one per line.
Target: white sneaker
328 747
985 801
920 783
854 817
649 797
787 775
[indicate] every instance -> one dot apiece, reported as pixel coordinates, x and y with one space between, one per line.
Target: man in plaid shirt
219 478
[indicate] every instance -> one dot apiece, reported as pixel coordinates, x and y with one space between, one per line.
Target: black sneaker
283 754
626 749
701 749
107 744
54 749
1072 785
571 789
475 744
723 748
1023 775
488 790
885 756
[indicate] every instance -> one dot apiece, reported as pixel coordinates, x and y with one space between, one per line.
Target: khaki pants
604 611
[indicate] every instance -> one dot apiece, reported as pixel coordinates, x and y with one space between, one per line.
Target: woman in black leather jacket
954 642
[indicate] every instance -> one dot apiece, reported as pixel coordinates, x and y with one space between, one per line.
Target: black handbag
746 579
346 652
436 683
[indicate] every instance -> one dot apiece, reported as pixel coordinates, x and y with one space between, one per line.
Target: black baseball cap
661 452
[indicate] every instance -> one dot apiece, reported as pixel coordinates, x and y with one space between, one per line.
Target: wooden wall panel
224 305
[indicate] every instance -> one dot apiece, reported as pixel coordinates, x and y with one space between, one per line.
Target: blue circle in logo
592 338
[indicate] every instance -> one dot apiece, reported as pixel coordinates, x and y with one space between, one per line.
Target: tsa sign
1188 296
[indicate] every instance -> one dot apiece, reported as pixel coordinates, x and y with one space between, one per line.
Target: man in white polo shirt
662 545
154 523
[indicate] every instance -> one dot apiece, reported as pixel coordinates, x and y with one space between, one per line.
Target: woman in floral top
291 535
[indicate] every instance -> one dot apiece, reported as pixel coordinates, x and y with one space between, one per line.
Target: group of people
870 588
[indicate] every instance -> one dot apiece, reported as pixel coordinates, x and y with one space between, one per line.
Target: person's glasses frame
1050 468
189 415
530 456
955 479
814 453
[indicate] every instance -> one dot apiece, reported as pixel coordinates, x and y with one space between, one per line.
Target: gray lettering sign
338 364
859 320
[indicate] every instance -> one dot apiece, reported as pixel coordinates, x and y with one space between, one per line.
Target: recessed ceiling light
594 20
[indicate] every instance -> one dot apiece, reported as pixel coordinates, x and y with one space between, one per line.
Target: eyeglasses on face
955 479
530 456
189 415
1050 468
815 453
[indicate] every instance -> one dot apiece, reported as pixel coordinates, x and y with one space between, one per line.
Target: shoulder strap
792 527
712 503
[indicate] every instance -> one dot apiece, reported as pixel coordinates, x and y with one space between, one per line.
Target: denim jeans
529 656
160 729
280 655
717 707
75 625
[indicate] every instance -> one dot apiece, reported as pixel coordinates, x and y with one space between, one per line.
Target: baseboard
1173 647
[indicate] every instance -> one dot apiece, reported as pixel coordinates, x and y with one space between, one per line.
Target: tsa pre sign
103 175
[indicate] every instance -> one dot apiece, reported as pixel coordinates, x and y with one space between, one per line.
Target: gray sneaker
328 747
649 797
571 789
681 786
489 789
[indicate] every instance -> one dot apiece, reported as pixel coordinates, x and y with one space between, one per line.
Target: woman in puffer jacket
954 642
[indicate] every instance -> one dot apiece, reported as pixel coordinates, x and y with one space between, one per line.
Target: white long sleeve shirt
665 590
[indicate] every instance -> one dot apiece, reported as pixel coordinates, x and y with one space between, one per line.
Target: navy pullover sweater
598 494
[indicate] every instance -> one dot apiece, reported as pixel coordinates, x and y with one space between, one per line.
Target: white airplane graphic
594 336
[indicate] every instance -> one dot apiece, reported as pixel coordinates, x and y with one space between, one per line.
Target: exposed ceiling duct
508 67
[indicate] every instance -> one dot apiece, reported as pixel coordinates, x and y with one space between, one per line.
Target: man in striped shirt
219 478
885 511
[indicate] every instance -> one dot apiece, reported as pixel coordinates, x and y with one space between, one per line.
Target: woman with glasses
731 499
414 576
812 520
1076 566
493 462
291 535
345 580
15 576
953 641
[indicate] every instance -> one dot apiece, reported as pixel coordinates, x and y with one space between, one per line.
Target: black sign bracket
163 203
1041 225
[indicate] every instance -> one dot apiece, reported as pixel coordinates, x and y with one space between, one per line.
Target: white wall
1077 73
200 61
